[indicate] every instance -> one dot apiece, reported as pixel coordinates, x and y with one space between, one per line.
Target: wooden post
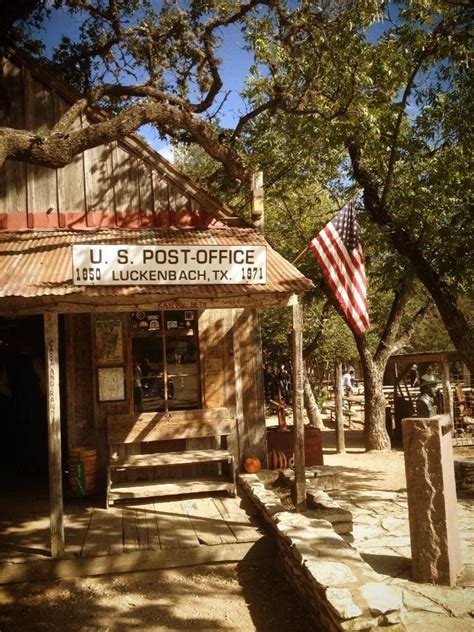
447 392
258 217
51 339
298 403
340 442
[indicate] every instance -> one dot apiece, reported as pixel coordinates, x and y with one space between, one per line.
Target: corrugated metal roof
39 263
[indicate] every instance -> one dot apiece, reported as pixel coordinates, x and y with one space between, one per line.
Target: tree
174 54
396 106
391 110
393 338
397 303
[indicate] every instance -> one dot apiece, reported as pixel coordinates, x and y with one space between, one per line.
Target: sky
235 65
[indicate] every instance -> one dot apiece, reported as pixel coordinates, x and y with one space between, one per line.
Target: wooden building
129 317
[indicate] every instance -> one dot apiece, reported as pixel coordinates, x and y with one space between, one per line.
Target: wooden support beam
41 570
51 339
298 419
340 440
447 392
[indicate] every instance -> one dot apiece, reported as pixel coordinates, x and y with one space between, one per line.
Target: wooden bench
331 409
133 430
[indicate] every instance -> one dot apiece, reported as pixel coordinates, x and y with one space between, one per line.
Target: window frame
165 334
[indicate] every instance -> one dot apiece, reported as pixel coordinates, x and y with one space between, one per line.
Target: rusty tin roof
38 264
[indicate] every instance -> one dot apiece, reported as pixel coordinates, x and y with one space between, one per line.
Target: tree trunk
459 329
375 431
455 321
457 326
312 408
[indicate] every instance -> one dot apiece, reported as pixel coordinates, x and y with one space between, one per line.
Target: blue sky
235 64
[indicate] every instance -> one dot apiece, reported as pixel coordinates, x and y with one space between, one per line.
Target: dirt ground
373 470
243 596
240 597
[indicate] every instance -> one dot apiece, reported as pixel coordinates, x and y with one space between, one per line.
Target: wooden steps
169 487
171 458
123 431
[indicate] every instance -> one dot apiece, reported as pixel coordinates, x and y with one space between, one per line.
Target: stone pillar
432 502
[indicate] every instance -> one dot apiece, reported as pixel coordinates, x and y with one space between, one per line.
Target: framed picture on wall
111 384
109 341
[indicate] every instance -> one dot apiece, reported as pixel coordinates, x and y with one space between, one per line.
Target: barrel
284 440
87 458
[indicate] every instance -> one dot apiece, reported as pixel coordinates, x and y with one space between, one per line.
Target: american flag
338 250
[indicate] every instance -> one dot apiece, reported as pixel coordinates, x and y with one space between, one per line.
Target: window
165 360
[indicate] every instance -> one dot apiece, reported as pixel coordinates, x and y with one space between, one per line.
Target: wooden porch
129 536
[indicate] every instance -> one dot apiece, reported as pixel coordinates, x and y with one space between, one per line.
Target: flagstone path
373 488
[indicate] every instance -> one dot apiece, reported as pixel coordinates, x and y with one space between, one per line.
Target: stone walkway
373 489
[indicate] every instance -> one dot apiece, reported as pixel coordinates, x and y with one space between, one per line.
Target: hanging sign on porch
168 265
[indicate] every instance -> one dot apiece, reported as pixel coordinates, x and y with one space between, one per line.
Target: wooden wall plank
102 410
145 181
81 431
12 85
216 350
259 386
161 199
13 174
125 186
71 182
88 181
180 205
103 187
42 187
249 384
217 368
99 190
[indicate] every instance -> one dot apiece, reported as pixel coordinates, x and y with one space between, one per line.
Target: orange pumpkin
252 465
277 460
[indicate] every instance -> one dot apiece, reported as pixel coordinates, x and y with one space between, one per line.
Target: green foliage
391 77
338 84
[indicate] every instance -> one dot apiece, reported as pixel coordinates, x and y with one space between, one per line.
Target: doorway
23 398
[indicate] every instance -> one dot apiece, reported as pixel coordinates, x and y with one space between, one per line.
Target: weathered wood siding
231 377
216 347
249 390
79 382
125 184
118 184
102 410
217 371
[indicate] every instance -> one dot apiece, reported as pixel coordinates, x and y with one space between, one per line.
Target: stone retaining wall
464 474
340 591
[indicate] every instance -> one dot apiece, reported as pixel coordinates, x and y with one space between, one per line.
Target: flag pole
306 248
299 256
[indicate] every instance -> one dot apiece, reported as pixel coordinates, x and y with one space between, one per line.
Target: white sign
107 264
